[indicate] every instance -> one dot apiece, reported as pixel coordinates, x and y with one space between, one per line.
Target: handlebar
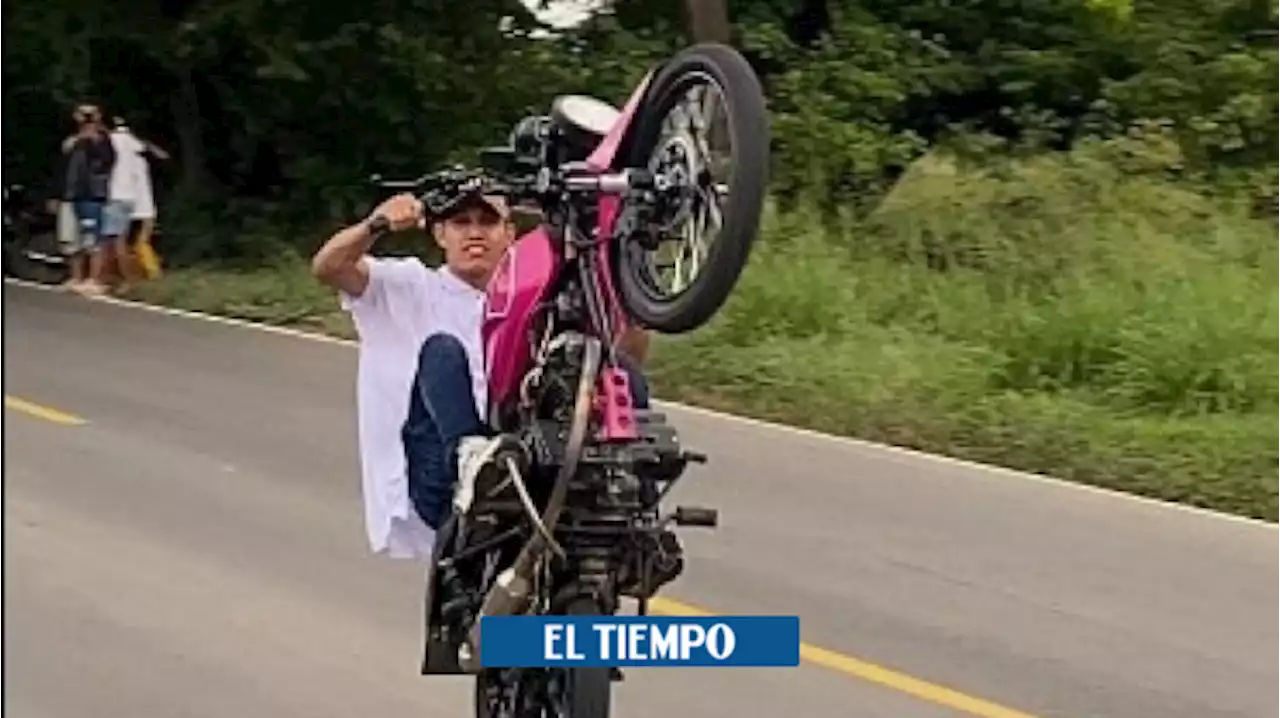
438 191
378 180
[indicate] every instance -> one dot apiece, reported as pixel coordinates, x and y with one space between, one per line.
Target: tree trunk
707 20
187 121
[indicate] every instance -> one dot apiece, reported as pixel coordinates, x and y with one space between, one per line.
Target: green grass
1053 316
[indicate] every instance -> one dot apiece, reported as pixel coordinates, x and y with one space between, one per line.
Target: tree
708 21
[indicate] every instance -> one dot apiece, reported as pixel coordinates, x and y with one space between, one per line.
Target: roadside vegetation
1053 315
1044 240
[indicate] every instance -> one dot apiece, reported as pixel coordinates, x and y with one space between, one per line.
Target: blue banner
703 641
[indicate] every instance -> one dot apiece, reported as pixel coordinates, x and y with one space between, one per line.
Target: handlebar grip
379 227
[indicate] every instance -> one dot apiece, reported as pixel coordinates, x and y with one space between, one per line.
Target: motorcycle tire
588 691
749 134
35 258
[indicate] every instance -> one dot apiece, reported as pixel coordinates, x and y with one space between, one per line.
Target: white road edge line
711 413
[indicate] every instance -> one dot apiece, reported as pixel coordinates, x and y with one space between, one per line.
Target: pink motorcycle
647 218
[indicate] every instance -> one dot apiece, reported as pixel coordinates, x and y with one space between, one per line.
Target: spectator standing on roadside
144 207
88 186
124 197
68 230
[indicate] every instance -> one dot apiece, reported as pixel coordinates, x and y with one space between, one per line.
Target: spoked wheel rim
692 154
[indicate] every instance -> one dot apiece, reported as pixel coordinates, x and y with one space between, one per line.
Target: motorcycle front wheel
703 124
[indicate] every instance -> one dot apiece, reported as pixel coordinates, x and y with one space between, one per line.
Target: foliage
1038 233
1053 316
280 108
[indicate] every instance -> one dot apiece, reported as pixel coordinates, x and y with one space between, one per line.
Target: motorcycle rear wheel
587 692
724 69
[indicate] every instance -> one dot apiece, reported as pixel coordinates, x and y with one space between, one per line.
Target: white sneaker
475 453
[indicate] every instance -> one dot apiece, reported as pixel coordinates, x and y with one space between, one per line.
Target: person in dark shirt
88 181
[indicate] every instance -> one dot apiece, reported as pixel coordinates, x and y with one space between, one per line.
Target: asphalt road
185 539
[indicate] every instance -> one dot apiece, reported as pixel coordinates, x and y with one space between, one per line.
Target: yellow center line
859 668
816 655
42 412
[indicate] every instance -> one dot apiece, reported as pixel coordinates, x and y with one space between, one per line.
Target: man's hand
403 211
340 262
155 150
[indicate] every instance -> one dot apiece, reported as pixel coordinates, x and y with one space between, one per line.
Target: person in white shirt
144 201
124 196
131 199
421 385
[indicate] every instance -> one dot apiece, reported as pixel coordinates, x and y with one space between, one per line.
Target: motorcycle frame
532 267
587 218
575 242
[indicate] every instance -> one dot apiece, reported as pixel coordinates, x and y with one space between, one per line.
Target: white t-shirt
144 205
404 303
130 165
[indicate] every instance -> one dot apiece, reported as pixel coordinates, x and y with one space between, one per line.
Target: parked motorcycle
30 248
648 216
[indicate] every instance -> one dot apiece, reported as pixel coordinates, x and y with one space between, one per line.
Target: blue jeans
116 216
442 412
89 217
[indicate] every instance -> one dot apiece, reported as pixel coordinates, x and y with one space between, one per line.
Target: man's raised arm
340 262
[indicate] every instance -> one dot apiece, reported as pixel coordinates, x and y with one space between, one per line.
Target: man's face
88 118
473 240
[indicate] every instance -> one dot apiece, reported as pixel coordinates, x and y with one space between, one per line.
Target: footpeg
696 516
693 457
